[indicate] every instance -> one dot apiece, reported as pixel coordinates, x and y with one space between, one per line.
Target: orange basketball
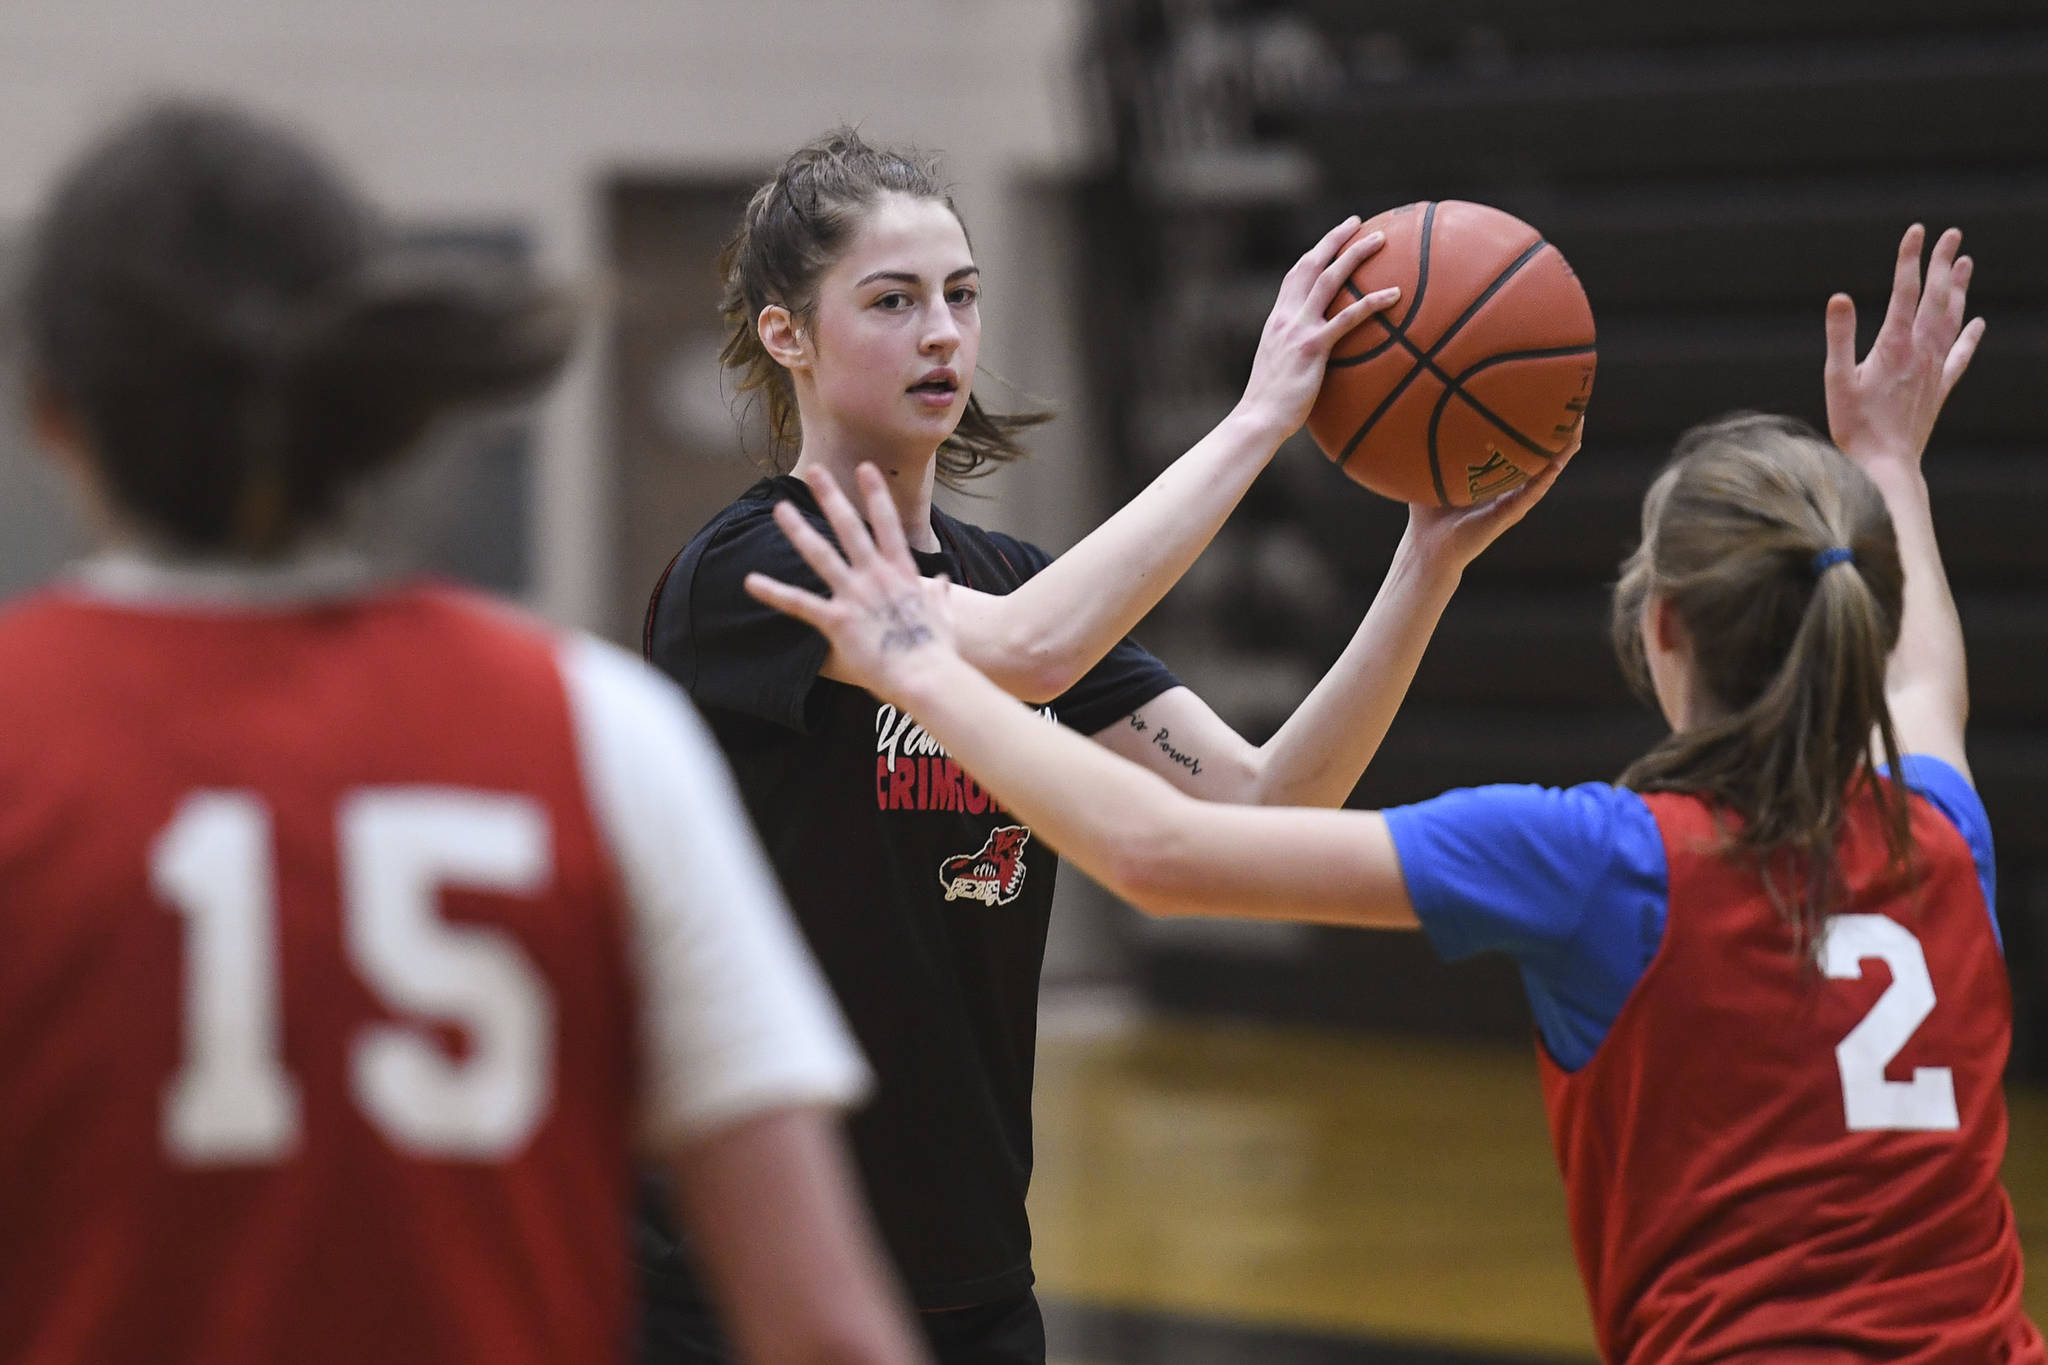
1477 377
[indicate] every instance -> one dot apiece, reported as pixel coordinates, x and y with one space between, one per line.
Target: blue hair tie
1833 555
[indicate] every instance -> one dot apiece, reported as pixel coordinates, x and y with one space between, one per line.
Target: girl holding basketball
1764 966
852 310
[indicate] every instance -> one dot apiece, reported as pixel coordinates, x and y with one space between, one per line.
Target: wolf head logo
993 874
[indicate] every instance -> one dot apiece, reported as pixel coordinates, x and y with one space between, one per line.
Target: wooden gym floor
1210 1193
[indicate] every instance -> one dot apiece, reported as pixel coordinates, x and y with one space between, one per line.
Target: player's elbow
1017 651
1029 668
1040 668
1919 706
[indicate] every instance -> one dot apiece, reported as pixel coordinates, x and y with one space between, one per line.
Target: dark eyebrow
906 277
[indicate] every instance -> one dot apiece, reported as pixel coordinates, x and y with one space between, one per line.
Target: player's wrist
1893 467
924 677
1258 425
1428 555
1877 442
1432 549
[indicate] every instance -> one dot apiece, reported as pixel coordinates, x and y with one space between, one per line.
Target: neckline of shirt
138 578
941 558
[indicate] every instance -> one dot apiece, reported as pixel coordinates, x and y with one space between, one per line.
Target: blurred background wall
519 115
612 142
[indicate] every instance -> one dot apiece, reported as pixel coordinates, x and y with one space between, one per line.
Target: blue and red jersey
1768 1153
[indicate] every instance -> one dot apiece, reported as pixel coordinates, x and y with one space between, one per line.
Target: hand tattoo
906 630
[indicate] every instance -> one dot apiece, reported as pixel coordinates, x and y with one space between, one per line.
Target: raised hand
1884 408
1295 346
883 619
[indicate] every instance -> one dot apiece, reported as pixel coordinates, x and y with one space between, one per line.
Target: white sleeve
736 1019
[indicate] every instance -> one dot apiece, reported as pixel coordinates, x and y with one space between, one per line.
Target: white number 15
233 1101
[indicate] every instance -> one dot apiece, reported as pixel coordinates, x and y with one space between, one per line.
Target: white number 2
1869 1101
232 1101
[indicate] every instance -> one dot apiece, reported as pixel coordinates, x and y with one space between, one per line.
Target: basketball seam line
1471 310
1421 288
1351 446
1424 358
1457 386
1395 331
1457 390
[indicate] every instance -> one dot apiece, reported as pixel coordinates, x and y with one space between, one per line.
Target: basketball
1476 378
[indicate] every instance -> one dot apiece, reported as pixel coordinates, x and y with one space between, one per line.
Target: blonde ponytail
1779 558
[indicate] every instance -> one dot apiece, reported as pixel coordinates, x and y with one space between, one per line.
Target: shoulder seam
654 603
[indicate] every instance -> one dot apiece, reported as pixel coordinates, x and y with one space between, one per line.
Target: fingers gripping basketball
1478 378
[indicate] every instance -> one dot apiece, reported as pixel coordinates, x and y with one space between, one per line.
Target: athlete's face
890 348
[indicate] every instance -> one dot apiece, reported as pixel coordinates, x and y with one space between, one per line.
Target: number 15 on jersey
232 1100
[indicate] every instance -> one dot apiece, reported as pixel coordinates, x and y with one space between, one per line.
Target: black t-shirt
925 901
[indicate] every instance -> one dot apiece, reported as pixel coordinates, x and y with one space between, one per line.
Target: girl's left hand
1300 333
1452 537
1881 410
885 621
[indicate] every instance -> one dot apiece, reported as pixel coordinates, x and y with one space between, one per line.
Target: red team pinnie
1760 1139
325 1008
360 937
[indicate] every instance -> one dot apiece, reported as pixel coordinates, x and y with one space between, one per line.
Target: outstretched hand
1455 536
1300 333
1883 409
884 620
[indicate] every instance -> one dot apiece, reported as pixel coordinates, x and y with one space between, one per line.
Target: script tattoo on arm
1161 741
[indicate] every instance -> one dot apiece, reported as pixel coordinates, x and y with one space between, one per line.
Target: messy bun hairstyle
239 339
794 230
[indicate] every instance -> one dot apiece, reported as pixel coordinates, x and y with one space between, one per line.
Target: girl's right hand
884 620
1295 346
1452 537
1883 410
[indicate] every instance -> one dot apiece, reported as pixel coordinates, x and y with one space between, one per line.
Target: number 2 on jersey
233 1101
1927 1103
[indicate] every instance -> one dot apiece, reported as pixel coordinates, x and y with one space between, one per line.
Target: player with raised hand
852 309
1765 971
359 935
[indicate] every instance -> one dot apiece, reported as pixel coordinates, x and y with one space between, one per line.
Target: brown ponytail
239 341
794 229
1742 535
